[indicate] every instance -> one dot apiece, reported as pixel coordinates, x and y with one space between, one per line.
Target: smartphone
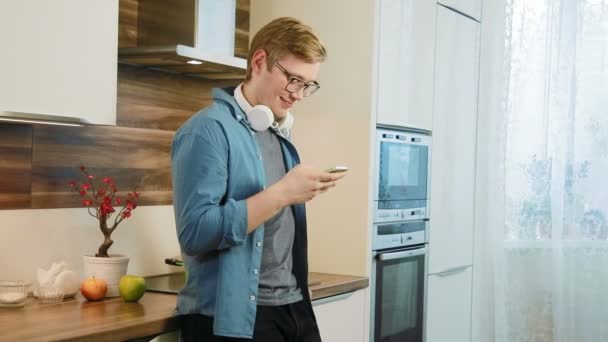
337 169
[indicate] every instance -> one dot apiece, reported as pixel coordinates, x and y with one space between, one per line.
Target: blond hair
284 36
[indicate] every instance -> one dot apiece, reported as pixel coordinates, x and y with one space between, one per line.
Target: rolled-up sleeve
205 219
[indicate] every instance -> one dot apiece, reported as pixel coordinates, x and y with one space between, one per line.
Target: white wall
36 238
333 126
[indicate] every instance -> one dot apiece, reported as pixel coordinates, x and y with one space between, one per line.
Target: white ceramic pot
109 269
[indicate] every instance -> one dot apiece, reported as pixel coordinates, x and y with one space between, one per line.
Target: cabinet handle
332 298
452 270
402 254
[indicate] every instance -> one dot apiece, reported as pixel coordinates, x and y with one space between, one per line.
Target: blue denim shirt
216 166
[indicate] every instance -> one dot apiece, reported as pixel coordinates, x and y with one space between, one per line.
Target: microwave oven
401 175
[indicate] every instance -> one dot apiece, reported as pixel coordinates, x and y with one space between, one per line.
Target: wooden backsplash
38 161
15 166
159 100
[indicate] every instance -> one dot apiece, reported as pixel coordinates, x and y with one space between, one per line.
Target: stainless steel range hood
209 25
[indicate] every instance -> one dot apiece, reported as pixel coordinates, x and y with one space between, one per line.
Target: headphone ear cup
260 117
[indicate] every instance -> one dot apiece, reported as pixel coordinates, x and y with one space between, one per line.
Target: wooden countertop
113 320
78 320
326 285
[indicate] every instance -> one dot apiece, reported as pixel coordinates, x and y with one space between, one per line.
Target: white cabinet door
469 7
342 318
454 140
406 45
59 58
449 306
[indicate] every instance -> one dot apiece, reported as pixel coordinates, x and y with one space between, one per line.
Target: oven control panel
390 215
398 234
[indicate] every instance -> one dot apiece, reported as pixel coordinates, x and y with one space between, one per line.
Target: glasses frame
314 85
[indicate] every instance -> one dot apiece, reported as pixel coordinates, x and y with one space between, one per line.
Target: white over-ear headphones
261 117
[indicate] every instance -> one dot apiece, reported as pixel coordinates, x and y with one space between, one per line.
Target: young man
239 199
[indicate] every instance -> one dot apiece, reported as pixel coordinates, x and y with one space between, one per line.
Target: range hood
193 37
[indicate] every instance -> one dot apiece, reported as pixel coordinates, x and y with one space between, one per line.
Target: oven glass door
399 297
403 171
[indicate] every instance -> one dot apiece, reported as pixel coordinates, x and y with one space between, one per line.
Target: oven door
399 292
402 169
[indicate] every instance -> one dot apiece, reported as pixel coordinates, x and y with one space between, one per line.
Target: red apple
93 288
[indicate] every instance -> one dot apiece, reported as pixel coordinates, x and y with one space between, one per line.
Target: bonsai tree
103 203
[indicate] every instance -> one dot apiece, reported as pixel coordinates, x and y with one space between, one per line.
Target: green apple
131 288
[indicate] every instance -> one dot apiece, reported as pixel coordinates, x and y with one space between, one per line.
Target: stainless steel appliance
401 175
398 281
167 283
399 238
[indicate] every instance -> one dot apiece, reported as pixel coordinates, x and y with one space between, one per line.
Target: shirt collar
241 100
227 95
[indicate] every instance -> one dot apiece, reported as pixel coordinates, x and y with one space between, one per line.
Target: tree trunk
107 242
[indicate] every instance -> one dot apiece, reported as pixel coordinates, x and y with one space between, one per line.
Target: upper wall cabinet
59 59
406 45
471 8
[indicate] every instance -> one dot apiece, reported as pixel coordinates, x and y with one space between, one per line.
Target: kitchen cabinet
59 58
452 181
469 7
449 306
454 142
342 318
406 49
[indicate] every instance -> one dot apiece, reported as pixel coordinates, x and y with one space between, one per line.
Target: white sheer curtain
541 251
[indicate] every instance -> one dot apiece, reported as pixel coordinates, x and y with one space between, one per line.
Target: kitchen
150 105
396 63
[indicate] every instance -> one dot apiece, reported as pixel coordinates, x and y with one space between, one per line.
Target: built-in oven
401 175
398 284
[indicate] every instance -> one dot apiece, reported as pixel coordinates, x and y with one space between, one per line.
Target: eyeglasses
295 84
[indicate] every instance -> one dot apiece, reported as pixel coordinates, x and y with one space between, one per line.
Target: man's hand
303 183
299 185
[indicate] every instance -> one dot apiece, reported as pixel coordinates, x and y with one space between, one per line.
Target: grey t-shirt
278 285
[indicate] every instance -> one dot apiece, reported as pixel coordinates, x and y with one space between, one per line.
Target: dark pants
286 323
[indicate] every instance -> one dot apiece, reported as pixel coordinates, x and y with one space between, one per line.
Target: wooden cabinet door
449 306
454 142
342 318
59 58
406 44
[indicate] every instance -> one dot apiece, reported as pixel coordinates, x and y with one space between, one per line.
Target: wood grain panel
241 42
162 22
160 100
15 165
134 157
127 23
